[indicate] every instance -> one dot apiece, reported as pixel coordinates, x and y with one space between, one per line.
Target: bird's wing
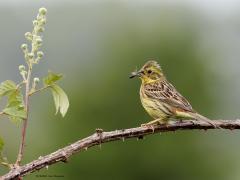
166 92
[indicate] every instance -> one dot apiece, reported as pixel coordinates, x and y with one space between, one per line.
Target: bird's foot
151 126
216 126
153 123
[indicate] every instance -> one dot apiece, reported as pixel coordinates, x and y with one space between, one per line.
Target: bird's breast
154 107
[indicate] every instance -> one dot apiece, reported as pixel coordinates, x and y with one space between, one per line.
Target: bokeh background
96 44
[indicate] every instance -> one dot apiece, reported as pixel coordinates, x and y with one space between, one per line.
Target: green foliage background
96 44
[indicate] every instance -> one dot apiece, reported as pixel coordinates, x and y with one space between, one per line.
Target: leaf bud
43 21
30 55
39 41
41 29
42 11
28 36
36 80
40 54
35 22
24 47
21 68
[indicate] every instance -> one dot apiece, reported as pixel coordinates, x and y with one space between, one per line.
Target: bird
161 99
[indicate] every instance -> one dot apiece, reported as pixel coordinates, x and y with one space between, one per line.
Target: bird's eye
149 71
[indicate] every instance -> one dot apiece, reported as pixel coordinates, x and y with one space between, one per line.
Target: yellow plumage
160 99
149 105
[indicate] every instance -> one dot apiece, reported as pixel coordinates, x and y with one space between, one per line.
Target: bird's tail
200 117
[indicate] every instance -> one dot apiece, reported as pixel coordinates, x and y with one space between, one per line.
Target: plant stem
6 164
24 128
38 90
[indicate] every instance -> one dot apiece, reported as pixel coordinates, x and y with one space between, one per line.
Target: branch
24 127
100 137
38 90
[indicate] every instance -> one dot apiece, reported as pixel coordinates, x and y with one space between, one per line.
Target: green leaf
15 112
15 105
15 120
15 99
60 99
1 149
51 78
7 87
1 144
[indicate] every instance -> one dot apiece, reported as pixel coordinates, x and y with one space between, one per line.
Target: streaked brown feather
165 92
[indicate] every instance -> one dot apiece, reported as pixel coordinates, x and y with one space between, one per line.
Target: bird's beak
134 74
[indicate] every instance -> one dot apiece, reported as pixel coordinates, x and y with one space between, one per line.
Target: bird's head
150 72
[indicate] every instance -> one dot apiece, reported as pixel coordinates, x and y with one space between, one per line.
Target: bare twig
62 155
5 164
38 90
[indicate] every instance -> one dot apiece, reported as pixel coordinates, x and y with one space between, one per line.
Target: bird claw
148 126
216 126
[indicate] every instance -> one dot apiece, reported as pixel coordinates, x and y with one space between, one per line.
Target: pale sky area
213 7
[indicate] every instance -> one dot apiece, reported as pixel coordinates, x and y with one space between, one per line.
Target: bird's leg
151 124
154 122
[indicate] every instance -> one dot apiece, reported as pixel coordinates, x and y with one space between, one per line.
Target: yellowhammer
161 100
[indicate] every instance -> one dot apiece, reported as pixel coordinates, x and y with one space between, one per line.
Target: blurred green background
96 44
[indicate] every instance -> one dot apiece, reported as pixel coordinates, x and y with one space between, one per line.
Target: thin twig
20 85
38 90
100 137
6 164
24 128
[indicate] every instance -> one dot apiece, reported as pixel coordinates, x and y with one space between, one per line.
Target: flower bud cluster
38 27
23 71
33 55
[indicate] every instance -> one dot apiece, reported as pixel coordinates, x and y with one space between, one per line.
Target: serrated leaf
15 107
60 99
15 99
15 112
51 78
7 87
